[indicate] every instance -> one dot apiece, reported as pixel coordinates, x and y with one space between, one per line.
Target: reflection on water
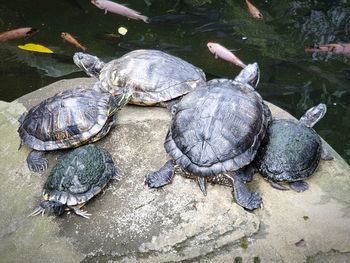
291 78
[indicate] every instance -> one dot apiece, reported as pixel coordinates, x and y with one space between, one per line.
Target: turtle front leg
37 161
299 186
161 177
244 197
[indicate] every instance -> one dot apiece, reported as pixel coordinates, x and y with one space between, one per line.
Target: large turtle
291 150
215 133
75 179
155 77
67 120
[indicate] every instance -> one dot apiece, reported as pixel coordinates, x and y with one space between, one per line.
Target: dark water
290 78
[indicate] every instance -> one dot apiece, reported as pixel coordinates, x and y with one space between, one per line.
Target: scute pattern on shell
290 151
66 120
217 128
153 75
79 176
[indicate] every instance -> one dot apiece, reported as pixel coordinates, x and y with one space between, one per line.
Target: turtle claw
39 210
79 212
84 214
37 162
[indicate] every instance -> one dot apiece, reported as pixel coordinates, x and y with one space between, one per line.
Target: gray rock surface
131 223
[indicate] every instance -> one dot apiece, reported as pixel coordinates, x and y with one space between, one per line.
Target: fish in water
340 49
214 26
17 33
254 11
119 9
72 40
225 54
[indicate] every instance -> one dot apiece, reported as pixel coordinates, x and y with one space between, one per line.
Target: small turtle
215 133
155 77
291 150
67 120
75 179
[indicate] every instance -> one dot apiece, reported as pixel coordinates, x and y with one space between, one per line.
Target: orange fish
17 33
72 40
341 49
254 11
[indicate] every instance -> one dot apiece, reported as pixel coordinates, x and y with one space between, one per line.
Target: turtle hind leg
37 161
279 186
248 173
325 154
244 197
161 177
299 186
79 212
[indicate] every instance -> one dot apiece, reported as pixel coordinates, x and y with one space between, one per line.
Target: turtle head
249 75
120 99
313 115
90 64
50 207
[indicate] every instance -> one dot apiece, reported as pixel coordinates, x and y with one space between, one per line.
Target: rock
132 223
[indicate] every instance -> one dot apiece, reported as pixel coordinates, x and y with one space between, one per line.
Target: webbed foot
37 161
244 197
161 177
299 186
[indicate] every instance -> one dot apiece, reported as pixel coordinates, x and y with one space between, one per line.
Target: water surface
291 78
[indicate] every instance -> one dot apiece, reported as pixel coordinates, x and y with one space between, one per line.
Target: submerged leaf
35 48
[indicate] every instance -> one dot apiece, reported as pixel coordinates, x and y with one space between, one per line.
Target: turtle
155 77
67 120
292 150
75 179
214 135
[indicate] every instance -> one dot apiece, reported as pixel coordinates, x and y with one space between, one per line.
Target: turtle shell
217 128
79 176
153 76
290 152
66 120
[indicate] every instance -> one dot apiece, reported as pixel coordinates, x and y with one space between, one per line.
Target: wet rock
132 223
